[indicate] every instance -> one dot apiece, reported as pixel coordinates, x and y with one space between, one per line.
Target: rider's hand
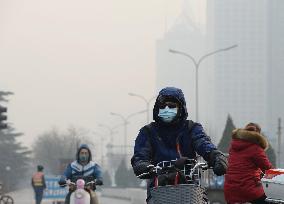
72 187
98 183
144 167
219 162
88 187
181 162
62 182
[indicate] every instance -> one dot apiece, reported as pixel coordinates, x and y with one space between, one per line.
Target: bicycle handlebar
202 165
69 183
154 169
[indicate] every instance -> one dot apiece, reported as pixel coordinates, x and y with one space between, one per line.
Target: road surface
26 196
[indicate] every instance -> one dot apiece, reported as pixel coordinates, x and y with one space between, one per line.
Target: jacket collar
250 136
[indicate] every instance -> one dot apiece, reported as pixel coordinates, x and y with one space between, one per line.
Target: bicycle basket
179 194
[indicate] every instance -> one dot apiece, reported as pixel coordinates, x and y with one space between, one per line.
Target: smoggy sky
73 62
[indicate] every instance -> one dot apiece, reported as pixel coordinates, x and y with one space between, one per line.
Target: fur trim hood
251 136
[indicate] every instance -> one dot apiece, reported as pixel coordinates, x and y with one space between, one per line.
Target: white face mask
167 114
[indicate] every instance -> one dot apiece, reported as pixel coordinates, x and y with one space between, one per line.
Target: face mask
167 114
83 158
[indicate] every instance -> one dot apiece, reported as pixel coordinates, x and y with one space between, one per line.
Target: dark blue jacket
158 141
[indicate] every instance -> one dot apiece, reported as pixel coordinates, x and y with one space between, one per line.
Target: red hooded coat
247 159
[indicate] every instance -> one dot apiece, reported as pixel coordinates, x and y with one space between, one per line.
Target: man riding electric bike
171 136
82 168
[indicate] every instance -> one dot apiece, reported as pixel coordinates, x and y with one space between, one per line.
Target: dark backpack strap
149 134
148 130
190 125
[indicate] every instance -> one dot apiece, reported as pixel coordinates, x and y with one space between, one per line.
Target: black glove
181 162
62 182
99 182
145 168
219 162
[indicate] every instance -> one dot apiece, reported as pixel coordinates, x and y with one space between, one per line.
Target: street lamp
147 103
102 137
111 133
125 123
8 169
197 64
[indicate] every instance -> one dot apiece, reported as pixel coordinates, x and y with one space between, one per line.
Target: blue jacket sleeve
201 142
142 148
68 172
66 175
98 172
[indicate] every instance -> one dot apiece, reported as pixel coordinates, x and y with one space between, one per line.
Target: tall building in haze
245 82
248 83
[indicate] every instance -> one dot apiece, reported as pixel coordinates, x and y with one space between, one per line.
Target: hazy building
245 82
275 73
248 81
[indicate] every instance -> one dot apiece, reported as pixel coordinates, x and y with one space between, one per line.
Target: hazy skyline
71 63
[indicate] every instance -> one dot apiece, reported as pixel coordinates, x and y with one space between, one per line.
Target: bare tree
53 146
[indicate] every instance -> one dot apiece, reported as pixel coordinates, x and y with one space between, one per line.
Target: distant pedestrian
38 184
247 160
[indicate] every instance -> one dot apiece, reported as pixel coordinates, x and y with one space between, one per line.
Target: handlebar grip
147 175
91 182
144 174
70 183
205 167
99 183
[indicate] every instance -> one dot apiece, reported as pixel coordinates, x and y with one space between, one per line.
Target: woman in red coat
247 160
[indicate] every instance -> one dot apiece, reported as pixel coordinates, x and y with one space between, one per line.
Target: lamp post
109 147
147 101
8 169
197 64
125 123
111 133
102 137
279 133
